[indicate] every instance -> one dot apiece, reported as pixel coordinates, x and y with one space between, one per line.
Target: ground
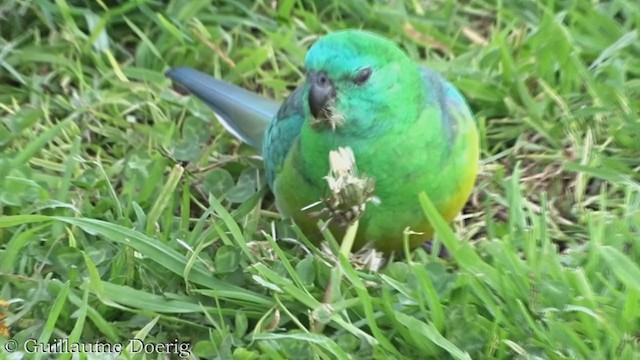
127 211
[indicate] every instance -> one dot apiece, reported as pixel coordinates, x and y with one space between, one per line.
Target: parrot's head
359 82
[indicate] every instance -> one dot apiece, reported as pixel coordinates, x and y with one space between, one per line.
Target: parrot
408 129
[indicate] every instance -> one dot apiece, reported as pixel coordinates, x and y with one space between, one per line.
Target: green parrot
408 128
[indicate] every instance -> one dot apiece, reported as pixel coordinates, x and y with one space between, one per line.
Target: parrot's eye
362 76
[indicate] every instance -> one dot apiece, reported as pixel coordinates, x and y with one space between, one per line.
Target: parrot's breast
403 165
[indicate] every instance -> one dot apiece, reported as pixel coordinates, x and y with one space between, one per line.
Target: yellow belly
384 225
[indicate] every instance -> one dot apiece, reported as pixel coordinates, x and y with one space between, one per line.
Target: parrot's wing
244 114
283 133
454 108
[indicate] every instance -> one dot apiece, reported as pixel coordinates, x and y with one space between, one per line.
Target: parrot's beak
321 92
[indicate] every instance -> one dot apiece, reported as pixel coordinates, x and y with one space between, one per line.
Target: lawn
126 210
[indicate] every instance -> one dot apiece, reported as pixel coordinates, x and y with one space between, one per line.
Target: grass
127 211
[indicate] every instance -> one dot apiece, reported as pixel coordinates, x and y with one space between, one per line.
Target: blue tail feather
244 114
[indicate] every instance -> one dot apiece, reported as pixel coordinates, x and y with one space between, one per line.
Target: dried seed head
349 191
330 117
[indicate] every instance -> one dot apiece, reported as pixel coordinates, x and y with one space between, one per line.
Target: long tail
244 114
